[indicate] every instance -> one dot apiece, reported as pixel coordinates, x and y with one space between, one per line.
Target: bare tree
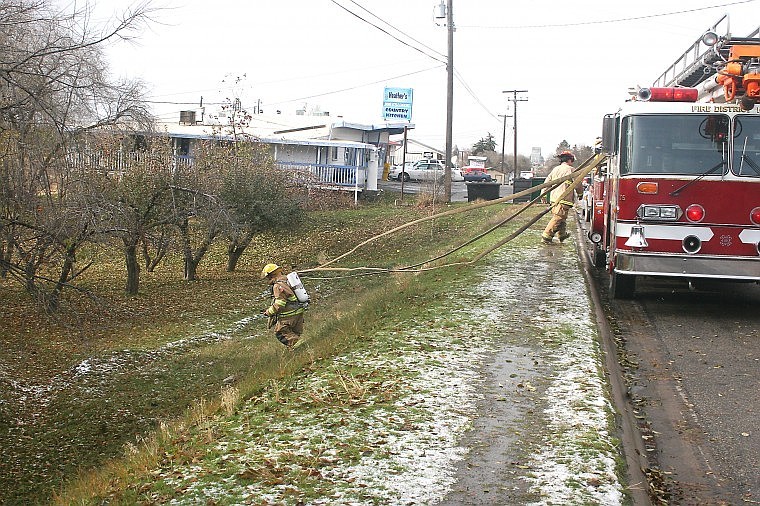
54 93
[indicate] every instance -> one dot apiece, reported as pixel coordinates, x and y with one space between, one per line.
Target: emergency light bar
667 94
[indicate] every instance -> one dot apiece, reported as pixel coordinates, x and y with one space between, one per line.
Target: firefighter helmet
566 156
269 269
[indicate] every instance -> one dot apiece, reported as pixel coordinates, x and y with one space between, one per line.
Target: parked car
478 176
395 172
424 170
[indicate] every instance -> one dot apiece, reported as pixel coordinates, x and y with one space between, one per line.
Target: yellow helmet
269 269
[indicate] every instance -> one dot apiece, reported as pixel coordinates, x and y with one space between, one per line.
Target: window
182 145
747 146
674 144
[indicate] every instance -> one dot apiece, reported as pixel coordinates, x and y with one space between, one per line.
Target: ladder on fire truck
721 67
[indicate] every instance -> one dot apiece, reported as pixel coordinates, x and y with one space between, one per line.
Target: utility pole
503 142
514 100
449 97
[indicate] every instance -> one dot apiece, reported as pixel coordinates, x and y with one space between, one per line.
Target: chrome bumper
744 268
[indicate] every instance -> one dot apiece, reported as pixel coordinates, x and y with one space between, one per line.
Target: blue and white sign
397 104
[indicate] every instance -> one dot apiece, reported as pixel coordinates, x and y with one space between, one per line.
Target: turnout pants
288 330
557 225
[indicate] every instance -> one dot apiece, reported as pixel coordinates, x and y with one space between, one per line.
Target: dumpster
536 181
482 191
524 184
520 185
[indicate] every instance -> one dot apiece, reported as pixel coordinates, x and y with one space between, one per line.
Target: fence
116 162
344 176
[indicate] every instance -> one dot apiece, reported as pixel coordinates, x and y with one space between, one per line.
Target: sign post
397 105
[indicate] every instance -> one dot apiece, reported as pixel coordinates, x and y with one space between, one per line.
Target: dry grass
156 395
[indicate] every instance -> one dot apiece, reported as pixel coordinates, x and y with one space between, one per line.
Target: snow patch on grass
577 461
383 424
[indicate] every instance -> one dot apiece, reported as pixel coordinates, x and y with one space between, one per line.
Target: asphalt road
691 360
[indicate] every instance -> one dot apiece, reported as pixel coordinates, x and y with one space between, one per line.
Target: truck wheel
622 286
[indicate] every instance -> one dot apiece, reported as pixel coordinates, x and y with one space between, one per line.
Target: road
690 364
458 190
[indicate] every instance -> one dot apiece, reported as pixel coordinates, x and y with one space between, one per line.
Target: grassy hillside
91 385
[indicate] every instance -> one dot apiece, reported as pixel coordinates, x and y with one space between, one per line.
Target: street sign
397 104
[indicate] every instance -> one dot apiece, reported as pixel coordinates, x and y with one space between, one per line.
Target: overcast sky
577 59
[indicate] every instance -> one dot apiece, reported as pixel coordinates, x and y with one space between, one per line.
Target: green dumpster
520 185
536 181
525 184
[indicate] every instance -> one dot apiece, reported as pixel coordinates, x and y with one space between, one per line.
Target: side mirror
610 134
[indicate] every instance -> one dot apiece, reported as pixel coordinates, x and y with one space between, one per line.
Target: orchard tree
133 194
237 191
56 93
259 197
201 215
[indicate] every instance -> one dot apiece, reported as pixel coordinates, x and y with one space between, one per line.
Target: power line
472 93
607 21
385 79
167 102
353 87
387 32
154 98
399 31
458 75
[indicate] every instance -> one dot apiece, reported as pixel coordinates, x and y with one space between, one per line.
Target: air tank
295 283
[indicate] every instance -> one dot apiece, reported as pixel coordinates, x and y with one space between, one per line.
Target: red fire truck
680 193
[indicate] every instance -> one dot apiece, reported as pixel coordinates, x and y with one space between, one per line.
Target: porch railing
119 161
334 175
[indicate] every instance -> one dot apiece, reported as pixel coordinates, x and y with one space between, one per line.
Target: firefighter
285 311
560 208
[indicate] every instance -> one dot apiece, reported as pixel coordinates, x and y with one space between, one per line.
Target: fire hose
576 177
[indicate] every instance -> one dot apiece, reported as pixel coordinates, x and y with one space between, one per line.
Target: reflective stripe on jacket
285 303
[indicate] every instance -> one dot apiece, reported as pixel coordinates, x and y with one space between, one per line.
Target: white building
338 154
415 151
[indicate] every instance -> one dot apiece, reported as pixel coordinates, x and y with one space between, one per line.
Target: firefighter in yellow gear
560 207
285 308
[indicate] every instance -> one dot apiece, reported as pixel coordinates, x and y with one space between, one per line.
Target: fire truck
679 192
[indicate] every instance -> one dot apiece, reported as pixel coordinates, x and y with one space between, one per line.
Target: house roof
391 128
285 136
280 129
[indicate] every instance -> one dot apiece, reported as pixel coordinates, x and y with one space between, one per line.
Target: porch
331 175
